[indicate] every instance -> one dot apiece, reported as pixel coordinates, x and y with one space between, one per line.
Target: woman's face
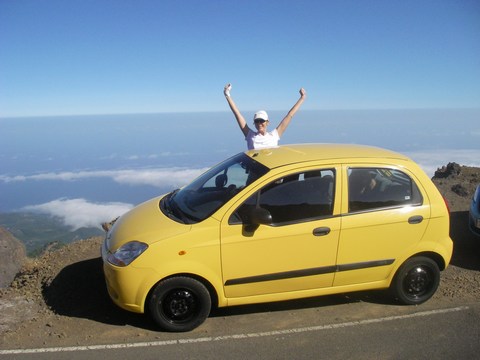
261 126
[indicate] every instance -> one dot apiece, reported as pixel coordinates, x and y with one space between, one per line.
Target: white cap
261 115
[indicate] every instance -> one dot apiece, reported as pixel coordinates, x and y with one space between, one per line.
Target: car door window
294 198
374 188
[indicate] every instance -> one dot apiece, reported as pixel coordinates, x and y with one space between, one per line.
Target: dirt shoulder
59 298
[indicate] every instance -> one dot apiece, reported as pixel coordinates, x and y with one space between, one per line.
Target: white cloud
134 157
155 177
163 177
175 177
78 213
431 160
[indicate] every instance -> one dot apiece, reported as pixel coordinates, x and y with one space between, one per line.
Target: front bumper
124 284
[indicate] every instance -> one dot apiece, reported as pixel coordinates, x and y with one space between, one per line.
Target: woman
261 138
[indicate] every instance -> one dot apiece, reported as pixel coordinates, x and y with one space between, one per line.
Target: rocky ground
62 291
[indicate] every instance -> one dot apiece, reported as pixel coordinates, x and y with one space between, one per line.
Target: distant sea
87 169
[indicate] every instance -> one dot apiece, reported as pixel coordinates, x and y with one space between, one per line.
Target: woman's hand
226 90
302 92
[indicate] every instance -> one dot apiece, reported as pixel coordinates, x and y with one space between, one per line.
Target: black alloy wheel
416 280
180 304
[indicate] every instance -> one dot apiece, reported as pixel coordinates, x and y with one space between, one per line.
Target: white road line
233 337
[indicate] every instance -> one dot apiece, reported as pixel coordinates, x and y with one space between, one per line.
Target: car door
383 217
297 250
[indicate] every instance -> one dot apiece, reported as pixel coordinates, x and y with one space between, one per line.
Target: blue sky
65 57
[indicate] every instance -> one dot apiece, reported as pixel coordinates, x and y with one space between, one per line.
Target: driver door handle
321 231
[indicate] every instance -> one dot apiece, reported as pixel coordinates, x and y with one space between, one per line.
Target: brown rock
12 253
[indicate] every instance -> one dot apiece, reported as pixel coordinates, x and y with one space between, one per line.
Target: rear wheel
180 304
416 280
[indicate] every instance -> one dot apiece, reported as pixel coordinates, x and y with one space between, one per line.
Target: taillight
446 204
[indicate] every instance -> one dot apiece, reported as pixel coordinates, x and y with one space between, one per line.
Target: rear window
375 188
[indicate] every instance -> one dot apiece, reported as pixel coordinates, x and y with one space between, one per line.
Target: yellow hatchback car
277 224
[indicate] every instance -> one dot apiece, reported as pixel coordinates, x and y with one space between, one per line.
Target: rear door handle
321 231
417 219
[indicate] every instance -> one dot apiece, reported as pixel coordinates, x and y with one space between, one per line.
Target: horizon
246 111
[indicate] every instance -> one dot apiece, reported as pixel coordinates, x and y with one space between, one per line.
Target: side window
374 188
295 198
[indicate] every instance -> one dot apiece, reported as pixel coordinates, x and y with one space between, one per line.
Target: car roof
296 153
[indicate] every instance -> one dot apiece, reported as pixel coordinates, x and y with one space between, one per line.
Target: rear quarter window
377 188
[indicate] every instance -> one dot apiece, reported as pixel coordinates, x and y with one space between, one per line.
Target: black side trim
308 272
364 265
282 275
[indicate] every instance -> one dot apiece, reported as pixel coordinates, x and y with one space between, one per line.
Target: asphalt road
322 328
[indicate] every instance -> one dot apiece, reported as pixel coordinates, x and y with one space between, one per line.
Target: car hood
145 223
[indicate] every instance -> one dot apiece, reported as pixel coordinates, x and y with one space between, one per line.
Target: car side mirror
255 218
260 216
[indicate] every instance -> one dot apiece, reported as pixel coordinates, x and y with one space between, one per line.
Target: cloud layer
176 177
78 213
171 177
430 160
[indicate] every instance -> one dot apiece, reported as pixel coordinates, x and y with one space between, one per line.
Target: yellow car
276 224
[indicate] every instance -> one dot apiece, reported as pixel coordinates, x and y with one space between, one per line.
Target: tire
180 304
416 280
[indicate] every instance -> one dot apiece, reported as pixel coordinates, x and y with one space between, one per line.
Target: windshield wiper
178 212
170 208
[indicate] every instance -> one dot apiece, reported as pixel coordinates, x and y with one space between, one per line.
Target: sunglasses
259 121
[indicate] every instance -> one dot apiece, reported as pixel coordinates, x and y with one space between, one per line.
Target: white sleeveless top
259 141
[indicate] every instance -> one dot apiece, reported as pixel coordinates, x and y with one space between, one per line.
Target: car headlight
128 252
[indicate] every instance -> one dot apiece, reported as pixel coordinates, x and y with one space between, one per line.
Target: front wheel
416 280
180 304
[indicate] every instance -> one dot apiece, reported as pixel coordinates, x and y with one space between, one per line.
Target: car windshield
206 194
